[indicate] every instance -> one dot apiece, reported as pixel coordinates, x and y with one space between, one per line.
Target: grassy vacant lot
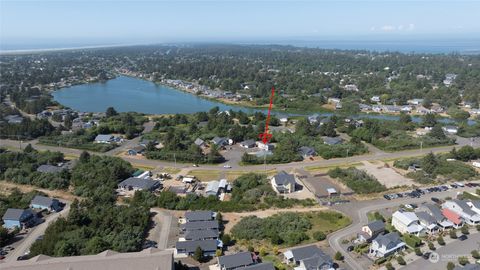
209 175
295 229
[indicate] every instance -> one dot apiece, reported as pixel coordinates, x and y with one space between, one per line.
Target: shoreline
33 51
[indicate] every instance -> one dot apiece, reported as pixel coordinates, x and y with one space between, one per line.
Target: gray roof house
13 119
42 202
332 140
217 187
427 221
283 182
238 260
306 151
188 247
248 144
47 168
260 266
371 230
308 257
436 213
20 218
220 141
385 245
136 150
199 216
461 208
104 138
200 225
199 142
134 183
201 234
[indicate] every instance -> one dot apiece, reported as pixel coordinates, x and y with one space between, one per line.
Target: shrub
453 234
401 261
389 266
412 240
463 260
465 230
431 246
358 180
319 236
450 266
475 254
440 241
338 256
418 252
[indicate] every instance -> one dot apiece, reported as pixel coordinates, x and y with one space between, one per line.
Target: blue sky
172 21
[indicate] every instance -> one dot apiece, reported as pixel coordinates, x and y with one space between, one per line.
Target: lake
130 94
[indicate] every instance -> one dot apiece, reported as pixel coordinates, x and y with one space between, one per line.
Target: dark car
22 258
436 200
350 248
463 237
387 197
2 257
426 255
415 194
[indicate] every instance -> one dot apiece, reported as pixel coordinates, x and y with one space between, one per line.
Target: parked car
2 257
462 237
436 200
386 196
426 255
22 258
350 248
227 166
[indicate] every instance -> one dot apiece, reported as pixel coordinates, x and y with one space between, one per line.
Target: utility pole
175 160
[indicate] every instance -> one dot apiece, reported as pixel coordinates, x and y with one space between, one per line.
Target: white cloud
400 27
388 28
372 28
411 27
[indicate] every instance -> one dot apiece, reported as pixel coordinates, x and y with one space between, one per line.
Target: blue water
130 94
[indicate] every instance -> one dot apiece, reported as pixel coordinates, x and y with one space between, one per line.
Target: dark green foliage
198 255
412 240
401 261
417 251
389 266
319 236
358 180
453 234
20 167
440 241
450 266
338 256
93 226
431 246
465 230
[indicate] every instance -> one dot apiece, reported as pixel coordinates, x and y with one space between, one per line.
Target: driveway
160 233
35 232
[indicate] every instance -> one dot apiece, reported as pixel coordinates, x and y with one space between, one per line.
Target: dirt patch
8 187
385 174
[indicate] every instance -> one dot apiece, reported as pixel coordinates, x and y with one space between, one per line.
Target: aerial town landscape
237 155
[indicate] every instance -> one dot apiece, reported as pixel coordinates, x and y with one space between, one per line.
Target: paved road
358 212
37 231
449 252
331 162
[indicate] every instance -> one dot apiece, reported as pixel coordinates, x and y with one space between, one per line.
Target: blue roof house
20 218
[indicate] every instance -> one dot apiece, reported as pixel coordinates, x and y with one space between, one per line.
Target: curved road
358 212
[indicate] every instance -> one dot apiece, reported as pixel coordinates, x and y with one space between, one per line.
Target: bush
453 234
338 256
319 236
465 230
450 266
418 252
475 254
389 266
431 246
401 261
463 260
358 180
440 241
412 240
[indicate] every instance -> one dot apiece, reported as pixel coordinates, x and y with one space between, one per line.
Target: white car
226 166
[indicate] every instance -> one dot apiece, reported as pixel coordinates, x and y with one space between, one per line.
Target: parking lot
419 192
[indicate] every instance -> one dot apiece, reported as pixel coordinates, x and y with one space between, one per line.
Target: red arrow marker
265 136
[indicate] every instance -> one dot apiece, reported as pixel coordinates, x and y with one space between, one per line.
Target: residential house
371 230
427 221
104 138
375 99
248 144
222 141
200 225
461 208
139 149
199 142
265 146
45 203
450 129
135 183
216 188
13 119
192 216
260 266
308 258
234 261
151 258
364 107
436 213
312 119
307 152
201 235
283 182
18 218
146 142
476 163
415 101
453 217
351 87
407 222
188 248
47 168
332 140
387 244
475 206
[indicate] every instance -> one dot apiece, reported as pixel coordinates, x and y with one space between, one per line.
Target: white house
308 258
407 222
385 245
461 208
476 163
450 129
283 182
475 206
265 146
375 99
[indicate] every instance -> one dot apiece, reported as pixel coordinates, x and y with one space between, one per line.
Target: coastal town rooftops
405 217
108 260
139 183
302 253
426 217
236 260
17 214
282 178
47 168
260 266
465 208
376 226
201 234
388 240
103 137
191 246
43 201
199 215
200 225
434 211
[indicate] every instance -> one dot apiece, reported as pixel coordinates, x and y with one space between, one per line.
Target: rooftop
236 260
